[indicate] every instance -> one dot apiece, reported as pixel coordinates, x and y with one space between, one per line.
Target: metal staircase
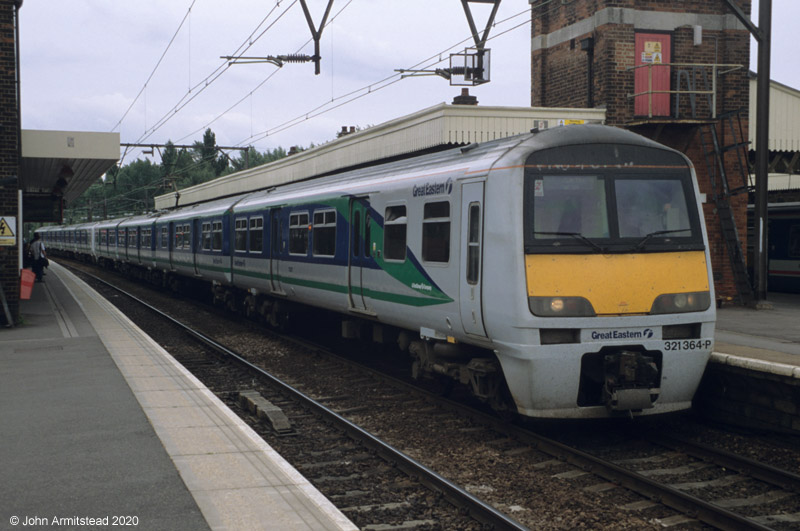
715 150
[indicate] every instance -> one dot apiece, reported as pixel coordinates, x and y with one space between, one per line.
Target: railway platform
753 377
101 428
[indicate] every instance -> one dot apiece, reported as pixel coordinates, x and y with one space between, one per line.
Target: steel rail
459 497
761 471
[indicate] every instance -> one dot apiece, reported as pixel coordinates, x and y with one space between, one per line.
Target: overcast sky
85 65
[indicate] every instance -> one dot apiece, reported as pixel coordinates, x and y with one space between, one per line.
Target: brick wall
9 159
746 396
559 79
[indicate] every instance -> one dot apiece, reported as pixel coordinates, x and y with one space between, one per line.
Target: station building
676 72
40 171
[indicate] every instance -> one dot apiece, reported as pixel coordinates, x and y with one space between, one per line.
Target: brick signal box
675 71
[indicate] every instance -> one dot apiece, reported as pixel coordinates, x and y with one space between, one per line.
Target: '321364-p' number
688 344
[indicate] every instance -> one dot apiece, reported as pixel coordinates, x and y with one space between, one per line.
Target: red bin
27 277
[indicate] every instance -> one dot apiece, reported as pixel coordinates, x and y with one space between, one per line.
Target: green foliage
130 189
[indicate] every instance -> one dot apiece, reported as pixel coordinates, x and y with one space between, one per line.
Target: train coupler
631 381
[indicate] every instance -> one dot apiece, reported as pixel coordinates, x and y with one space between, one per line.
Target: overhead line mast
280 60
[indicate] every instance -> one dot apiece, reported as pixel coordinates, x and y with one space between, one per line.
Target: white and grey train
565 272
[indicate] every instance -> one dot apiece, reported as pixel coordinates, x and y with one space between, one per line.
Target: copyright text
73 521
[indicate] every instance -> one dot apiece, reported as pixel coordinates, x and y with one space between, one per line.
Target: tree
206 153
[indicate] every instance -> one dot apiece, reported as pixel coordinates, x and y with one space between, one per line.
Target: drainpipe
587 45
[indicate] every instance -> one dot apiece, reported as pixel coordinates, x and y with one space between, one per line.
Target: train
559 274
783 246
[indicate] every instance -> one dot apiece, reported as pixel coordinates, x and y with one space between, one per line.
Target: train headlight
560 307
681 302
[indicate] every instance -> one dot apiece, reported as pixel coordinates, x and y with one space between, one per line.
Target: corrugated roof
784 117
783 181
440 125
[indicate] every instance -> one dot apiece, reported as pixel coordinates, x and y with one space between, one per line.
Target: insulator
295 58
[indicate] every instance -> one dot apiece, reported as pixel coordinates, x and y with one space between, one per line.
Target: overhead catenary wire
261 84
372 87
328 106
206 82
155 68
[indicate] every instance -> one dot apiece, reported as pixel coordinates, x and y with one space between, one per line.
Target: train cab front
618 286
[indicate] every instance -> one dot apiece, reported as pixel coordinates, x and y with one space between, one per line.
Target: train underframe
439 365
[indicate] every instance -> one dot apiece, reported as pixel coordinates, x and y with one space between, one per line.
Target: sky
151 69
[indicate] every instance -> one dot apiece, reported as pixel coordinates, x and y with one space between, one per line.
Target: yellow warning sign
8 231
652 47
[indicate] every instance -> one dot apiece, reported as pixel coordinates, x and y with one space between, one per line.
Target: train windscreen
611 209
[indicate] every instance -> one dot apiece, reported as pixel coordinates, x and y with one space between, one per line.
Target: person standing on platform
39 256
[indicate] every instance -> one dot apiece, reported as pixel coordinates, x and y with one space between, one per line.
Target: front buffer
604 380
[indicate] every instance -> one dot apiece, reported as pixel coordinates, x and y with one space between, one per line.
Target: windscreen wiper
577 236
644 240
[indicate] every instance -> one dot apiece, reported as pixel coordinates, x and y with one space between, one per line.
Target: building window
325 233
256 234
394 234
240 235
298 233
436 232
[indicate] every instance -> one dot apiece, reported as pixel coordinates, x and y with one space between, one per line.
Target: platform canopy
434 128
58 166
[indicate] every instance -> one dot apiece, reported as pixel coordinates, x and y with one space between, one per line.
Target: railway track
510 467
346 455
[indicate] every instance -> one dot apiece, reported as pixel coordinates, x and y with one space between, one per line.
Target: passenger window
240 235
298 233
277 235
206 229
474 244
216 236
164 237
367 236
394 234
356 245
256 234
436 232
794 241
325 233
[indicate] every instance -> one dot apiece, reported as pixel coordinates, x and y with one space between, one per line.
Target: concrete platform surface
771 335
99 422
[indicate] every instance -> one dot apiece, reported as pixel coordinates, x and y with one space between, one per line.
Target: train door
472 257
358 254
275 249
